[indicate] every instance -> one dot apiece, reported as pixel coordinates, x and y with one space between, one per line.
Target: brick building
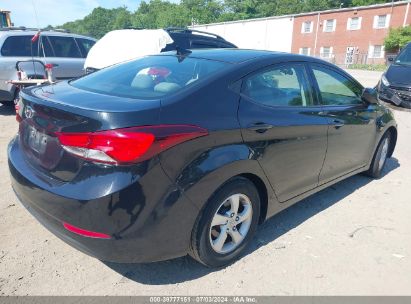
349 35
342 36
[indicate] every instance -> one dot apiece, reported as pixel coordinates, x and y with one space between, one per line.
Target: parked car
65 51
127 44
395 84
130 166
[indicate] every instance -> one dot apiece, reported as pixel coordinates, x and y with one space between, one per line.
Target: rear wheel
227 224
380 156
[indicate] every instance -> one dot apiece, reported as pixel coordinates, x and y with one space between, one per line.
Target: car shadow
7 110
186 269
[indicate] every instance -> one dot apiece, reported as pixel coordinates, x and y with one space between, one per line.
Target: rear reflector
85 233
128 145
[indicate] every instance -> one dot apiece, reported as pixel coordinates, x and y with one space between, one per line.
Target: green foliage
397 38
368 2
163 13
368 67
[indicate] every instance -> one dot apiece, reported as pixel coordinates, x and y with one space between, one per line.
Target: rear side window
284 85
149 77
64 47
20 46
85 45
336 89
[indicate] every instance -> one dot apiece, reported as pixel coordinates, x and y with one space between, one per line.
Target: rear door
352 128
66 57
283 126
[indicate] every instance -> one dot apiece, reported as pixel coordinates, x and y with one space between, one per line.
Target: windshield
149 77
405 56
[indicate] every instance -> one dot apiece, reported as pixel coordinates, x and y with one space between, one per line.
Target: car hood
399 75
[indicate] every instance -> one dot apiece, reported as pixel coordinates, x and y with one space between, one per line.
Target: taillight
128 145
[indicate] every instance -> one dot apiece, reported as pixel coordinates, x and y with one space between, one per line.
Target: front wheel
227 224
380 157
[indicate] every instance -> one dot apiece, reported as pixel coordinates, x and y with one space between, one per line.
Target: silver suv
67 53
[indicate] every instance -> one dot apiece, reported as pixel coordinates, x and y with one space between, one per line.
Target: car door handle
337 123
259 127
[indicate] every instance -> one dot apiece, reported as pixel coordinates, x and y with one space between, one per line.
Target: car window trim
310 87
317 87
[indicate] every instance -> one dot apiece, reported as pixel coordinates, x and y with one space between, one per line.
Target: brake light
128 145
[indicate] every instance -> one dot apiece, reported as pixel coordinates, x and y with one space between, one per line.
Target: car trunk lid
49 110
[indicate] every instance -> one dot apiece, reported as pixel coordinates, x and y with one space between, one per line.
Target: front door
283 126
352 128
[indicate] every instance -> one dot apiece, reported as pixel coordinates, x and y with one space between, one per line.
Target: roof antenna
182 53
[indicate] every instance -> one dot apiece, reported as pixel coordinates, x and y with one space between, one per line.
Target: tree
154 14
397 38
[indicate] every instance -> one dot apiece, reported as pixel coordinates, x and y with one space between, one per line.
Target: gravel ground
350 239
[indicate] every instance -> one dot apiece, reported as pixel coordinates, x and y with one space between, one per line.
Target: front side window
20 46
149 77
284 85
336 89
329 25
64 47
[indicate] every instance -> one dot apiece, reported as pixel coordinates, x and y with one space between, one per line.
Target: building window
307 27
329 25
354 23
381 21
376 51
326 52
305 51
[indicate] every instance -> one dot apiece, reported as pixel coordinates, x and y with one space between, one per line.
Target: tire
380 156
214 244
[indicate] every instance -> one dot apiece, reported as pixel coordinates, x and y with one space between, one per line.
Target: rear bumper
148 219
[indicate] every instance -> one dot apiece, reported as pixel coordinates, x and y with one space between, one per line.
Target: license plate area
36 140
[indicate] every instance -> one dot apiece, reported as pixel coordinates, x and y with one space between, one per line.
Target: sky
57 12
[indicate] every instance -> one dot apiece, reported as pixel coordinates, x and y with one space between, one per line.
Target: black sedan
395 84
188 153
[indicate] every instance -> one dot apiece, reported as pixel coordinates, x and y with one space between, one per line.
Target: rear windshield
149 77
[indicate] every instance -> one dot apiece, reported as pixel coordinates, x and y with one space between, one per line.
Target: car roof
237 56
25 32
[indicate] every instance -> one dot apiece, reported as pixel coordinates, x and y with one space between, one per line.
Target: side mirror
369 95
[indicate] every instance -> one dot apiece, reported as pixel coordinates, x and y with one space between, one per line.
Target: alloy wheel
231 223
